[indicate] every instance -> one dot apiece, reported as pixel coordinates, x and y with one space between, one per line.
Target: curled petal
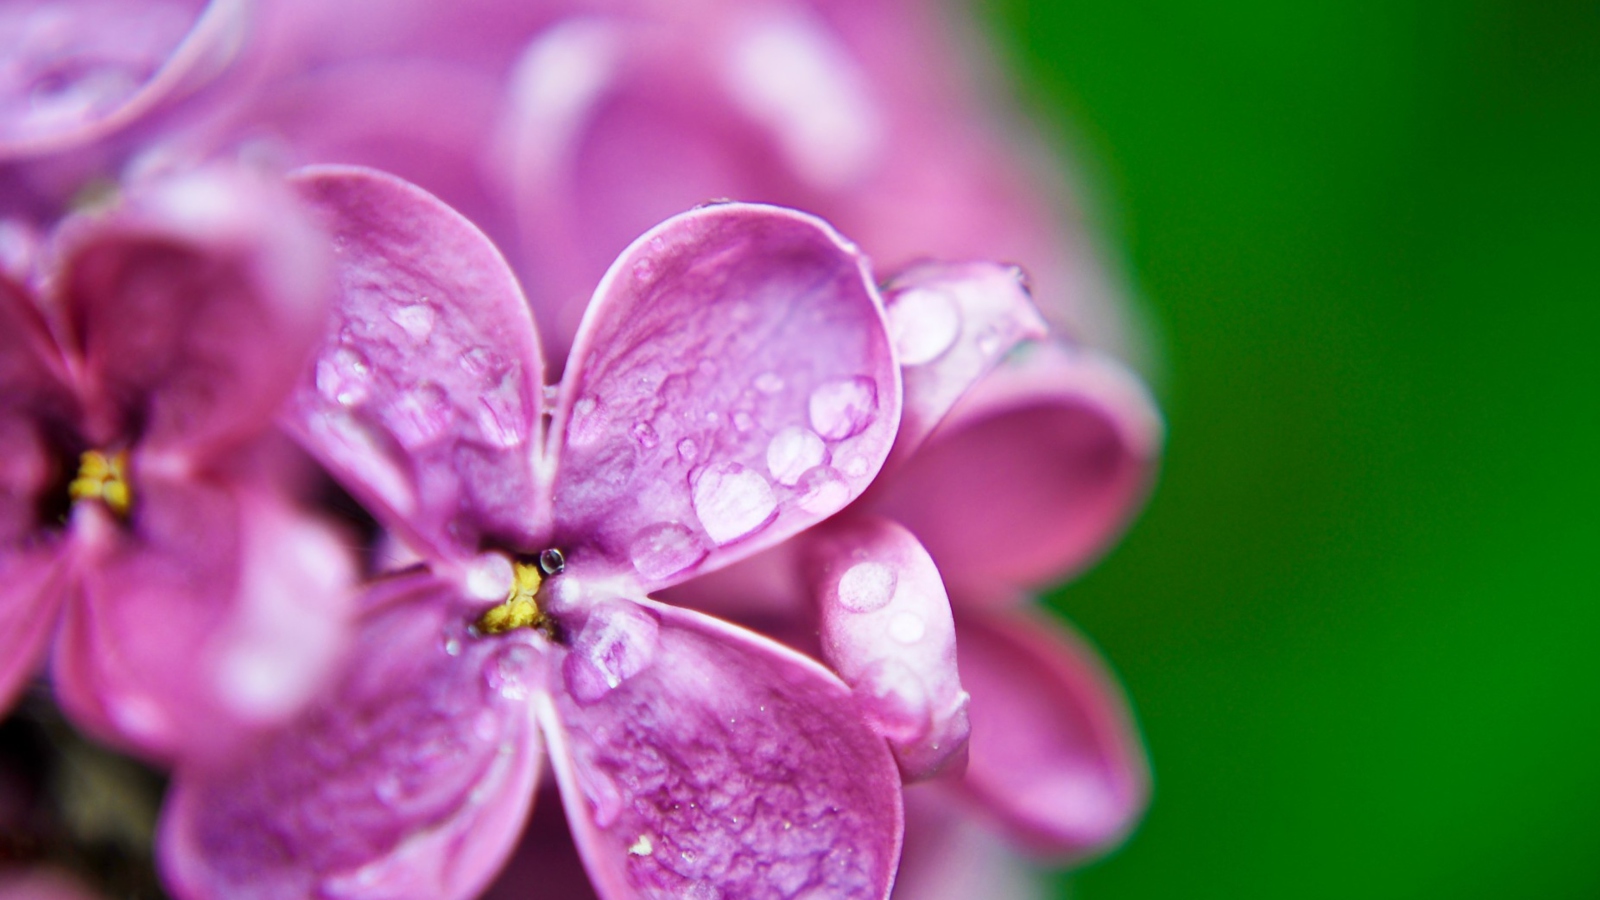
732 384
1034 475
1054 753
951 323
255 595
886 629
410 777
424 399
729 767
192 308
77 70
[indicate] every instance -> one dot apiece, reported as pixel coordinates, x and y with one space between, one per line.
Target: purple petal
1054 753
886 629
31 591
1034 475
256 597
951 855
729 767
79 69
951 323
410 778
41 884
424 400
193 307
731 385
31 373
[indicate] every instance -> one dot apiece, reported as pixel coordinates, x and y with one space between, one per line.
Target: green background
1360 620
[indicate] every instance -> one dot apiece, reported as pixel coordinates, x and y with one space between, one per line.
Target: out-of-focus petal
951 323
886 628
76 70
424 399
1054 753
951 855
732 384
31 591
31 375
410 777
256 597
193 308
546 862
41 884
727 767
1034 475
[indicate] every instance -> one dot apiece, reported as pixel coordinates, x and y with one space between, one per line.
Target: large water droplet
416 320
420 416
822 491
867 586
792 452
732 501
665 549
923 323
843 407
618 641
345 377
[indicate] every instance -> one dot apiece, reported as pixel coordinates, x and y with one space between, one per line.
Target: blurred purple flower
139 371
693 757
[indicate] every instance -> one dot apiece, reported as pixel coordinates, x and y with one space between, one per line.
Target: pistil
520 609
103 477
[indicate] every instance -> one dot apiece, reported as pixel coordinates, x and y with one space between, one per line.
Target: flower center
520 609
104 477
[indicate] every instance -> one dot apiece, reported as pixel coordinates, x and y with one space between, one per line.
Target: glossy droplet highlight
822 491
588 422
509 672
687 451
907 628
867 586
923 324
345 377
792 452
618 641
416 320
769 383
732 501
842 408
644 434
665 549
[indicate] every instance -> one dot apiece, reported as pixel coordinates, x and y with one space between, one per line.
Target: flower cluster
733 550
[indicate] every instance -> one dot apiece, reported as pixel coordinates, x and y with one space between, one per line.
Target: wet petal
731 385
730 767
256 595
193 306
410 778
886 629
1034 475
79 69
31 591
424 399
1054 753
951 323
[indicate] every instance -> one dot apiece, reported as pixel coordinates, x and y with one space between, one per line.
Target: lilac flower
1005 479
693 758
187 599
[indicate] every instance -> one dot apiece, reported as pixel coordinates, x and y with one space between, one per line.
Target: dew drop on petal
645 435
421 416
822 491
508 672
618 641
895 698
732 501
588 422
415 319
843 407
769 383
742 422
687 451
644 269
923 323
792 452
866 586
665 549
344 378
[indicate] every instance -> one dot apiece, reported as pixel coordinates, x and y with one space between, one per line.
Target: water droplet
588 422
743 422
687 451
896 699
452 647
989 341
907 628
345 378
551 394
416 320
665 549
644 268
792 452
843 407
618 641
822 491
923 323
856 466
488 578
732 501
769 383
388 789
645 434
420 416
500 414
867 586
509 671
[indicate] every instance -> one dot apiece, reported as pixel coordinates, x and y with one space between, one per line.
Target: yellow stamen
521 606
105 478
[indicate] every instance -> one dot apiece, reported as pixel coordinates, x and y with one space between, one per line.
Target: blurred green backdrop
1361 618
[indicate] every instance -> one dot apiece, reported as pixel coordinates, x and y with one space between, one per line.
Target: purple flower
694 758
186 597
1007 480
